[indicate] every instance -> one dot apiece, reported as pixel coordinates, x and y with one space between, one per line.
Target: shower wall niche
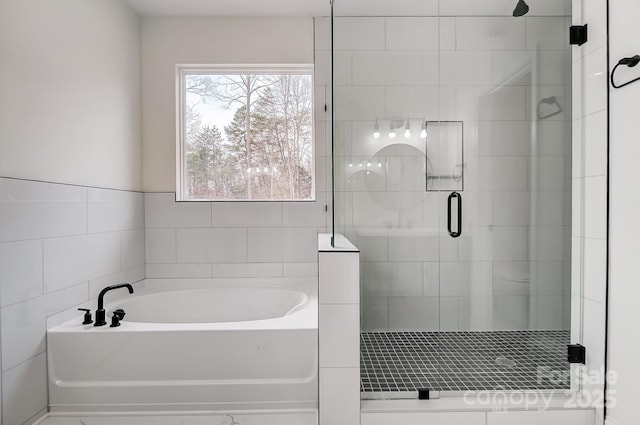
507 81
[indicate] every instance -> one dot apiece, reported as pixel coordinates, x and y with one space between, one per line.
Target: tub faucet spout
100 313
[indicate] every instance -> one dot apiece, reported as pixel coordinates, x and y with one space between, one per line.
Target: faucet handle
118 315
87 316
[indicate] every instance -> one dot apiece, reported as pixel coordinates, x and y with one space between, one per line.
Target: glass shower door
452 176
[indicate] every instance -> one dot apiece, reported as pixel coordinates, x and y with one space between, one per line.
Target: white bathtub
209 345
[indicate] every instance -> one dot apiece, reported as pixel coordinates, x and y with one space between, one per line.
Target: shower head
521 9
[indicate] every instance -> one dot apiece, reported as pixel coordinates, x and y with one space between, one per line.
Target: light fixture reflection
376 130
423 131
407 130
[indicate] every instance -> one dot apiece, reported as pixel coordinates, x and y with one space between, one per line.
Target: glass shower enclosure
452 173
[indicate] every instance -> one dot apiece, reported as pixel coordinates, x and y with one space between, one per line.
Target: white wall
623 219
70 83
170 41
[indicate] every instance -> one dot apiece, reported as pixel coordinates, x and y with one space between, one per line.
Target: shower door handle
459 203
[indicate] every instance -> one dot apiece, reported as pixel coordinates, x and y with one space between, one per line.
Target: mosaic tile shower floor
461 361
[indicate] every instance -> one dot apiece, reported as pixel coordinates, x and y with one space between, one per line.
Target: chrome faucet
100 313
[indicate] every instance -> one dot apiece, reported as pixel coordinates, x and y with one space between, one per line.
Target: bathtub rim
303 317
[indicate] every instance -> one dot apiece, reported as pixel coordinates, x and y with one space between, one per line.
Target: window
245 133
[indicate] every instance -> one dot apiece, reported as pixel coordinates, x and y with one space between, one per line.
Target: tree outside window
246 135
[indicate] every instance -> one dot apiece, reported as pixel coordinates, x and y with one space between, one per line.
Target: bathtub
209 345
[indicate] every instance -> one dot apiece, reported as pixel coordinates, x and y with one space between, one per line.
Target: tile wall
510 269
59 245
232 239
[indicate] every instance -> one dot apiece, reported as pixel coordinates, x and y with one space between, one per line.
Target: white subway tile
511 173
23 331
58 301
455 69
339 396
286 245
448 314
20 271
595 144
476 243
161 210
408 33
387 209
133 275
489 33
418 101
375 314
430 68
511 138
593 315
342 68
595 269
550 172
594 78
212 245
511 208
510 243
339 278
161 245
404 247
359 103
507 103
247 270
476 313
372 243
32 210
550 242
466 278
72 260
508 66
114 210
247 214
550 207
184 271
359 34
391 279
339 335
24 391
414 313
132 249
546 311
511 312
547 33
595 207
387 68
300 269
431 279
306 214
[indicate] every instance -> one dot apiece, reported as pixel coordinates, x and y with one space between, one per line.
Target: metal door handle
459 198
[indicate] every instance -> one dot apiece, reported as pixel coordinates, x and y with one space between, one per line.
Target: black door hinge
576 353
578 34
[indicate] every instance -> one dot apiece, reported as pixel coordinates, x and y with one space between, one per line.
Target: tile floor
461 361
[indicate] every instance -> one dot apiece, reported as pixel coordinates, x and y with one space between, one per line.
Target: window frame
182 70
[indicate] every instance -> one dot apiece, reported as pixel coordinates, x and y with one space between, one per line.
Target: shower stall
452 175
